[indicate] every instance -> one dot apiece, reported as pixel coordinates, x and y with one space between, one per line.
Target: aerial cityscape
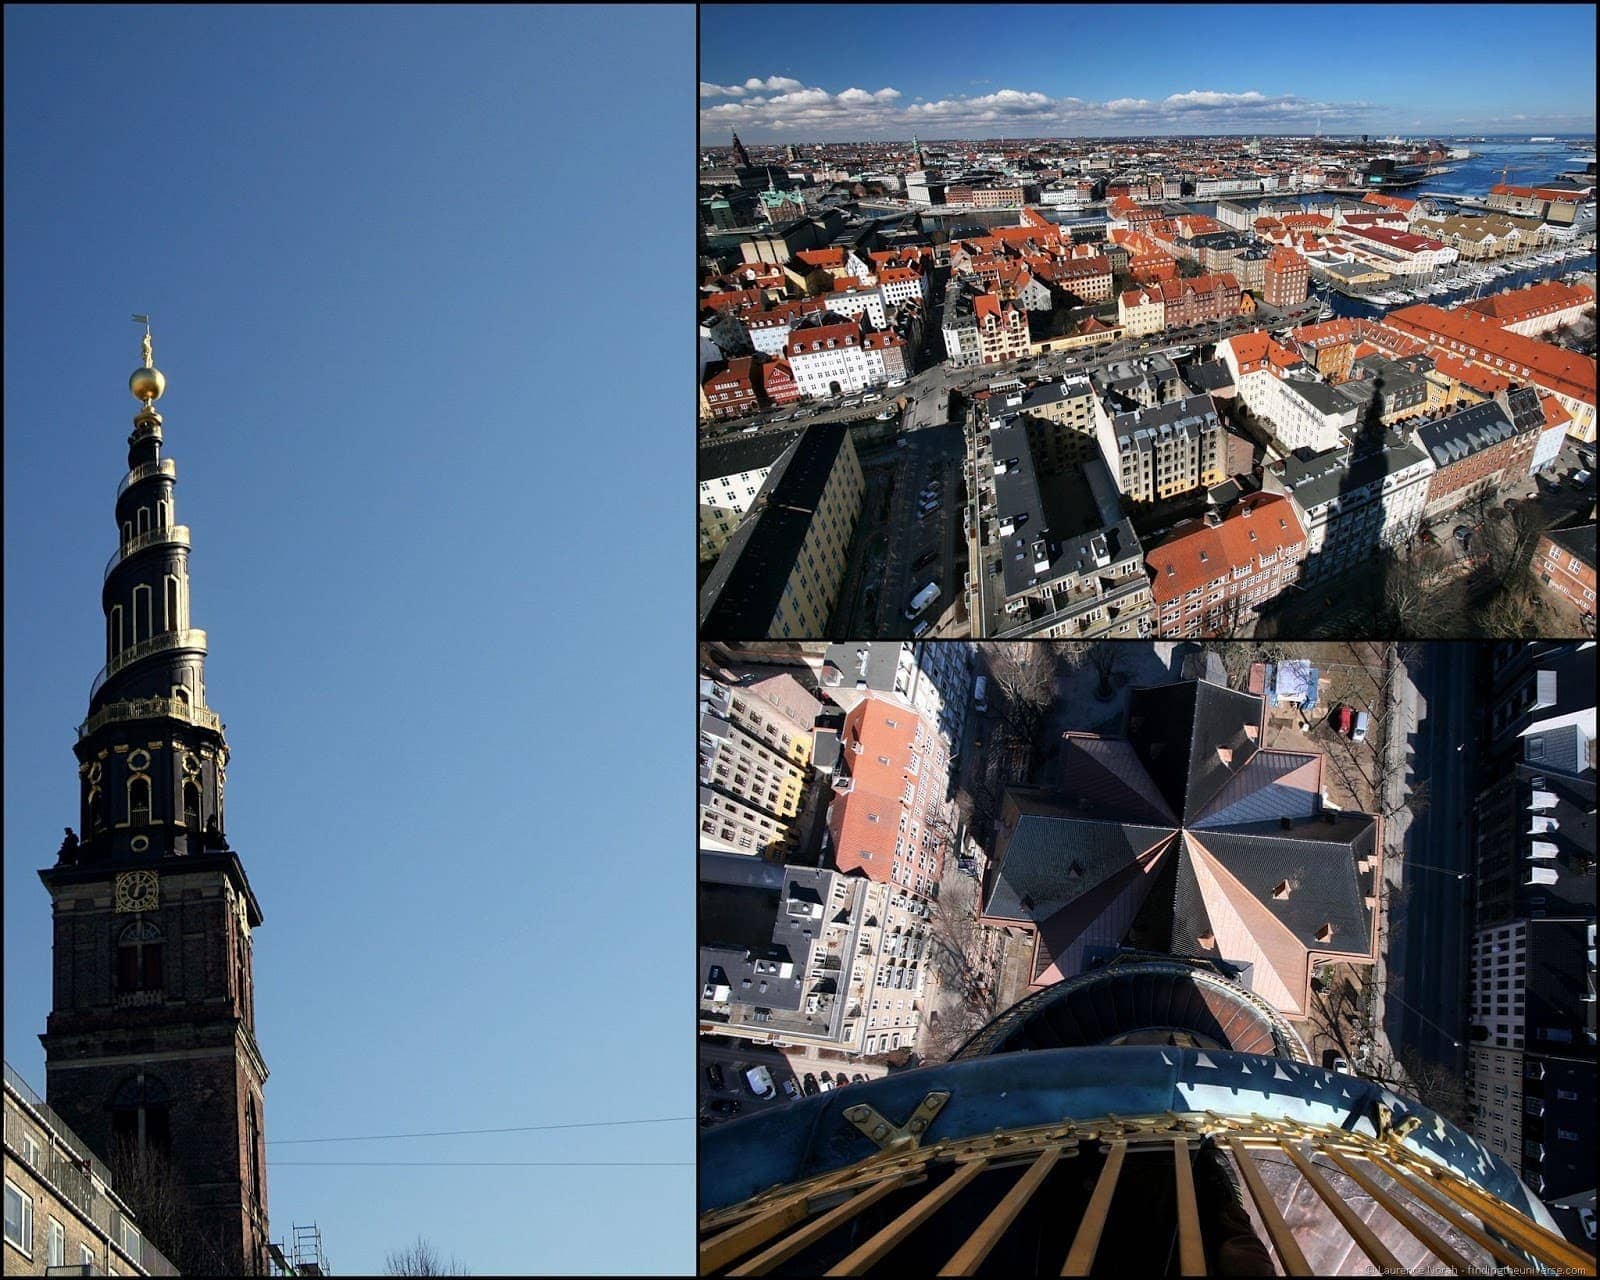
1055 383
1371 861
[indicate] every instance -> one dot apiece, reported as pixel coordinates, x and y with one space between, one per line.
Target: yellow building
755 759
61 1210
780 574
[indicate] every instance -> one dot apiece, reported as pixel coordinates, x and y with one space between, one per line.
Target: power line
481 1164
456 1133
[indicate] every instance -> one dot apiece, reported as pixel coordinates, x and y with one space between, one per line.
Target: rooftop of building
1198 551
731 456
1465 432
1187 416
1317 478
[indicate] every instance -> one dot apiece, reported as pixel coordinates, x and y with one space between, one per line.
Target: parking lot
802 1071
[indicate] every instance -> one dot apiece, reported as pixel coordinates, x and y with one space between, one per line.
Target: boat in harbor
1541 139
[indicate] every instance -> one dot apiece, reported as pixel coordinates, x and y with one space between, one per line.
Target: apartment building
730 392
889 819
1156 453
933 679
1353 500
63 1215
1286 279
1475 450
1210 576
731 473
769 330
1199 299
831 360
1563 562
1002 329
1569 377
1067 567
755 759
1532 1078
808 957
959 325
861 303
780 573
1277 386
1141 311
1536 308
1140 383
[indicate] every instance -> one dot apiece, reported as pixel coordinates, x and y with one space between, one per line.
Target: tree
1104 656
1437 1086
148 1184
1026 674
962 956
421 1259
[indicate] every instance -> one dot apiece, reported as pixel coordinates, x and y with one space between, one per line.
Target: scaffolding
305 1258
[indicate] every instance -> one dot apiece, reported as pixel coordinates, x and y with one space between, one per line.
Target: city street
1425 988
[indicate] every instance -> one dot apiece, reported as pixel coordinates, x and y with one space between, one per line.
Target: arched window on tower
139 1115
162 518
252 1125
142 609
139 800
139 948
191 805
127 532
173 621
114 639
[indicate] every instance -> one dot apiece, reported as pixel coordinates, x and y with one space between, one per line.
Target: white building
1354 505
900 285
934 680
859 302
829 360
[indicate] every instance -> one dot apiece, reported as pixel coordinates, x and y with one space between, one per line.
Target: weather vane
149 356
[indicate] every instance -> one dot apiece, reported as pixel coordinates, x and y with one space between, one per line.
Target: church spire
151 754
740 152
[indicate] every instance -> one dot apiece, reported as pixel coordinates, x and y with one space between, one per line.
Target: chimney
1281 889
1325 933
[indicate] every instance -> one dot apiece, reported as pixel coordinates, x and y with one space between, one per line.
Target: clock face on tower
137 891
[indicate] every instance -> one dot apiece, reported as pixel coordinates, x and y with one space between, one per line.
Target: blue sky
420 349
797 73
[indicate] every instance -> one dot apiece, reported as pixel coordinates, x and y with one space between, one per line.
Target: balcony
149 709
166 467
178 533
191 639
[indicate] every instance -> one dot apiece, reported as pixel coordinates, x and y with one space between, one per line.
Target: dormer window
1281 889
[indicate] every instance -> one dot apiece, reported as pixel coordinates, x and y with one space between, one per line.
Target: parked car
759 1081
714 1074
926 558
1359 732
810 1085
1581 478
1342 717
920 630
1341 1066
859 1078
726 1106
1462 533
791 1089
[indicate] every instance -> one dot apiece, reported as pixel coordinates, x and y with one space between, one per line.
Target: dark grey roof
1179 730
1577 540
1321 477
1185 416
1173 915
1104 778
1465 433
1257 793
1054 857
1319 395
741 597
1317 856
1213 375
742 452
850 664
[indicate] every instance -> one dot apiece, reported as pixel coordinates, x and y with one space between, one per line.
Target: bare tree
963 956
421 1259
1072 652
1026 674
148 1184
1104 655
1436 1085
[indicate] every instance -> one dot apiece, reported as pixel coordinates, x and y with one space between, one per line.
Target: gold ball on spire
147 384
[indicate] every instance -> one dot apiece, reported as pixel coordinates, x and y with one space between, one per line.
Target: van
760 1081
924 597
1360 731
980 693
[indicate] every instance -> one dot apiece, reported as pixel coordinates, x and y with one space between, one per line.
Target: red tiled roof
1533 300
865 821
1177 565
1553 368
805 341
821 257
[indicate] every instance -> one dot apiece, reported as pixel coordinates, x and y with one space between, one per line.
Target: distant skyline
1031 71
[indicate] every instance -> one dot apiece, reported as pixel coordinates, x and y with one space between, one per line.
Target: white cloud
781 103
1208 98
